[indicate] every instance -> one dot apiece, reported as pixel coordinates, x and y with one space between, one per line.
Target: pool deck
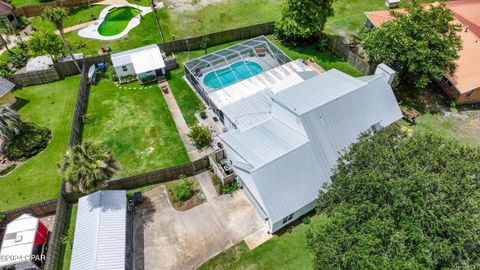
91 31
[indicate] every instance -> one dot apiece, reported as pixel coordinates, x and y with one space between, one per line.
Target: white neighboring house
283 160
101 235
24 244
145 62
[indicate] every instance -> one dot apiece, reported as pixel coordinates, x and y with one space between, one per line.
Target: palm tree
10 123
56 16
5 29
152 5
88 166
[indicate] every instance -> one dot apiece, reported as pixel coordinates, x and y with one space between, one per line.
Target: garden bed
178 189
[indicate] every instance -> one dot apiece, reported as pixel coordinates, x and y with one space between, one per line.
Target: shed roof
5 8
144 59
5 86
100 231
18 240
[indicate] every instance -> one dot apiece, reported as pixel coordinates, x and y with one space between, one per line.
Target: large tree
44 42
10 123
400 201
88 166
302 19
56 16
420 45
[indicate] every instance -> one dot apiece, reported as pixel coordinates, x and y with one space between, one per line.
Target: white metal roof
318 91
265 142
274 80
285 168
18 240
144 59
5 86
100 231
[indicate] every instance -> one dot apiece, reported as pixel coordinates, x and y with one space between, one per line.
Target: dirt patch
188 5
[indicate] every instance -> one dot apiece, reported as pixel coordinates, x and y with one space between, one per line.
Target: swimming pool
117 20
236 72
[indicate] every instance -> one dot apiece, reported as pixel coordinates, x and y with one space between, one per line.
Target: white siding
121 73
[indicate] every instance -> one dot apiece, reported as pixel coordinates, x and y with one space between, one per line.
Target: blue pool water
226 76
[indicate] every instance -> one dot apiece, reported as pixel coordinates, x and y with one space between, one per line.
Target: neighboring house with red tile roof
464 85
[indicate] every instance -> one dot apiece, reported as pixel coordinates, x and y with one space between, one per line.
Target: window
124 68
287 218
469 93
376 128
447 82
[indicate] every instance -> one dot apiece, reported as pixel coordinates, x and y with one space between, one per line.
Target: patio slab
184 240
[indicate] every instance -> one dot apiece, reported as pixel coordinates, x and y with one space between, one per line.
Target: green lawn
19 3
136 125
286 251
66 249
75 16
49 105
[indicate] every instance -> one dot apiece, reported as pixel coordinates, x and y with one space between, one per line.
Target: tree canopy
43 42
56 15
303 19
88 166
399 201
421 45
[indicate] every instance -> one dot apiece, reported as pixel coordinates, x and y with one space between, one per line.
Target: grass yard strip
286 251
47 105
67 240
136 125
19 3
75 16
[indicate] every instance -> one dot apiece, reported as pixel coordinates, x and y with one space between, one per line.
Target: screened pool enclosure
228 66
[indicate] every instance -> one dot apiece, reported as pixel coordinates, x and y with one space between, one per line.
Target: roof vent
386 71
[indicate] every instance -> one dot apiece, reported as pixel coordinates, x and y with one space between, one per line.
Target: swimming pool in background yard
117 20
236 72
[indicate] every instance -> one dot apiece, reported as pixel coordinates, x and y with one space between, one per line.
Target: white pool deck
91 31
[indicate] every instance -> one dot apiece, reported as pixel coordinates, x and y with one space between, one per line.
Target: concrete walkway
76 27
180 123
172 240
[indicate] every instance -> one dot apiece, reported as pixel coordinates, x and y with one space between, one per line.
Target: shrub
203 114
8 169
201 136
230 188
19 59
306 220
4 70
31 140
182 190
22 22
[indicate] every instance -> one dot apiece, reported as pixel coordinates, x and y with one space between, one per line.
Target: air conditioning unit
392 3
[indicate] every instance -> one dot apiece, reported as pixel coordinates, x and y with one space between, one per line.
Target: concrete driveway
184 240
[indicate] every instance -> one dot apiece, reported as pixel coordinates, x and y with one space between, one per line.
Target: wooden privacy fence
339 46
217 38
80 109
40 209
150 178
35 77
55 241
36 10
